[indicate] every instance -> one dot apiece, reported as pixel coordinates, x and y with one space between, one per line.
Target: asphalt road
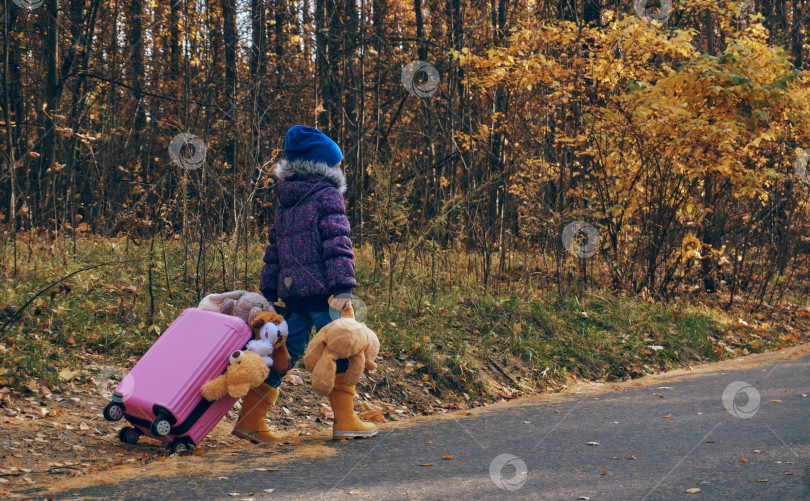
650 442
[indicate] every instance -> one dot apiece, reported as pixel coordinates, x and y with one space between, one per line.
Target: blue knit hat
308 143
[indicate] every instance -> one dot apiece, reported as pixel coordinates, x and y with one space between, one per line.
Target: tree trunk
592 12
280 18
709 230
137 74
175 52
48 138
327 39
258 25
797 38
8 21
420 30
231 41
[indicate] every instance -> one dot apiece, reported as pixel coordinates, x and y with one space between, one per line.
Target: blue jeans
300 326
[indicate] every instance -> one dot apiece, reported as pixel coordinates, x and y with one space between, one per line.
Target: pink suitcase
161 397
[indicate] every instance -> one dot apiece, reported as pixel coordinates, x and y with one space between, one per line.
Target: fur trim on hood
287 170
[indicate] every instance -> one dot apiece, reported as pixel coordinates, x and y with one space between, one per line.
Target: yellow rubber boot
347 424
251 424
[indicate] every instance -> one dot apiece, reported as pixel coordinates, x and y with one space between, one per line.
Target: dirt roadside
73 446
48 437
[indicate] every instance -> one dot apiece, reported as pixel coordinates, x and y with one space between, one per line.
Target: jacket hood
300 169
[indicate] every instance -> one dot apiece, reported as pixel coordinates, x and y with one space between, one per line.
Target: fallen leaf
593 443
743 460
447 457
667 416
293 379
372 412
327 412
36 412
761 480
269 490
604 473
693 490
67 374
425 464
758 451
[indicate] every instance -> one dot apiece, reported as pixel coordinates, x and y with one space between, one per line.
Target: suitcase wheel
113 412
129 435
180 446
160 427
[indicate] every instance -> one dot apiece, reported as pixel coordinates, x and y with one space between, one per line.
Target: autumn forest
652 148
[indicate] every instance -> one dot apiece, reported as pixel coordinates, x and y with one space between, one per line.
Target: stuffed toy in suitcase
161 396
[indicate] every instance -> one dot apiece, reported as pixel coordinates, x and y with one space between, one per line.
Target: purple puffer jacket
310 254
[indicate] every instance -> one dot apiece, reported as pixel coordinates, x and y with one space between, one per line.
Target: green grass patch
447 329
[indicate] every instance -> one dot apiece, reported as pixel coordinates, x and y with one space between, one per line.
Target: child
308 259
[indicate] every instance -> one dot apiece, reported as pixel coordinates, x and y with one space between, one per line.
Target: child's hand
340 303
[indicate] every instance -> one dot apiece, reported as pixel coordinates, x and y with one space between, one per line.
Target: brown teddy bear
275 335
246 371
342 338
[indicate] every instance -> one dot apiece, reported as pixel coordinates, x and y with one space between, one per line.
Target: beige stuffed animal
246 371
243 304
342 338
